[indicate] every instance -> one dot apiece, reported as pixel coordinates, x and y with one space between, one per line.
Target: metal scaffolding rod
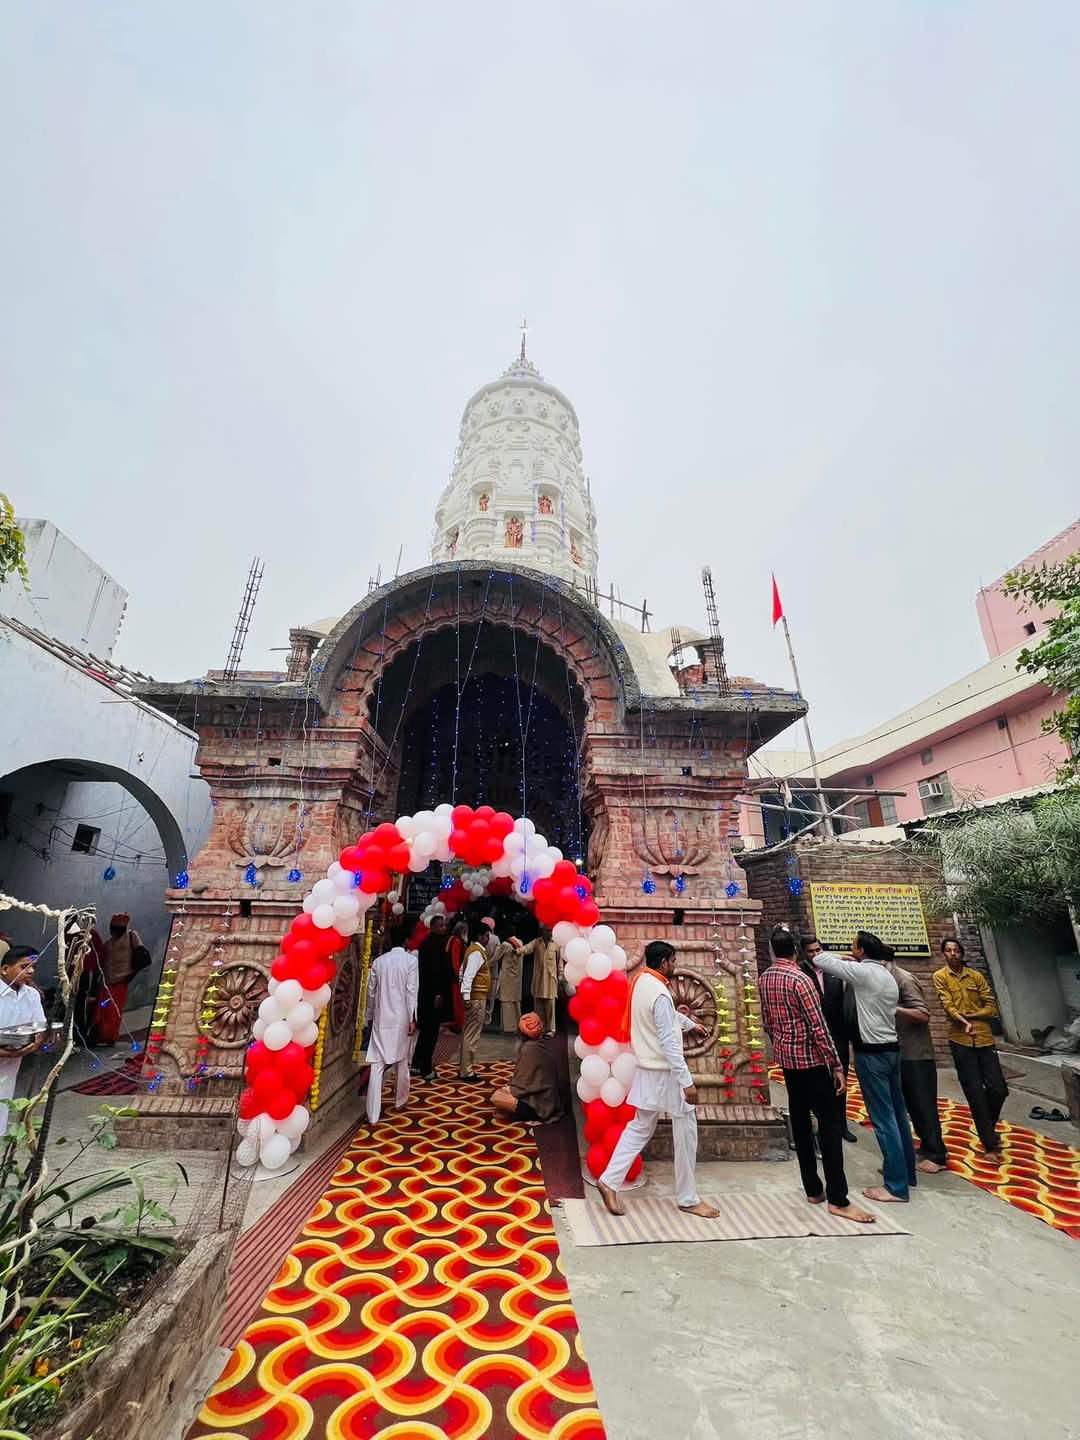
716 640
243 620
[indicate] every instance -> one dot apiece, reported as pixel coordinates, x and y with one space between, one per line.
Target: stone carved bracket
674 843
241 988
265 833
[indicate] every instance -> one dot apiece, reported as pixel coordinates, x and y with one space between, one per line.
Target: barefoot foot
815 1199
884 1197
930 1167
852 1212
612 1204
707 1212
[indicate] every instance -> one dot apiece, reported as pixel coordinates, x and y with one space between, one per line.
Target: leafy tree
1057 655
12 545
1011 864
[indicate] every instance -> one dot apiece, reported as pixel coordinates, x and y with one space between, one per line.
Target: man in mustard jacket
969 1005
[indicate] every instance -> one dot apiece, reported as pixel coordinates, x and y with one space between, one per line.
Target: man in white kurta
662 1085
392 989
20 1008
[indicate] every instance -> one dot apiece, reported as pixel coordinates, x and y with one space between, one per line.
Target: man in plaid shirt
804 1050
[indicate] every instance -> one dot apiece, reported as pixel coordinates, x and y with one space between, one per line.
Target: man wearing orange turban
533 1092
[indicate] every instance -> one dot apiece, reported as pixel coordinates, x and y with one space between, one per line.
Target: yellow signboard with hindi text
893 912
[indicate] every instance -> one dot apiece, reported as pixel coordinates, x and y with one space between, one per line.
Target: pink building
978 739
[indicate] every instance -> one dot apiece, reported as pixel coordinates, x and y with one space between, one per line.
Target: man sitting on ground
533 1091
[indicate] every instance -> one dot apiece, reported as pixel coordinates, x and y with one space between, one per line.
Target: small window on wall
86 840
888 810
1029 628
926 757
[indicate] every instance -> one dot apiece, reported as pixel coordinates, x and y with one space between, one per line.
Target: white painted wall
1024 967
71 596
99 746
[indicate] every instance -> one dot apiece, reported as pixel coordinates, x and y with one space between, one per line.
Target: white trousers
374 1088
637 1135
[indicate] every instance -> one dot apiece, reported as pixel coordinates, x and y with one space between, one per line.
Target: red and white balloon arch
506 857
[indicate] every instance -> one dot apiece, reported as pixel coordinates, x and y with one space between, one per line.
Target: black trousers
427 1036
918 1079
979 1071
811 1092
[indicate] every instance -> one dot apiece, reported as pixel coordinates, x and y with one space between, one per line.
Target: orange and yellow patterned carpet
423 1299
1034 1173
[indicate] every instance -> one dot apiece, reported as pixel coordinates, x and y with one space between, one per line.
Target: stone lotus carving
694 996
241 989
345 994
265 834
674 844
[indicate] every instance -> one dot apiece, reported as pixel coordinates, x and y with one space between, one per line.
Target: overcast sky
806 270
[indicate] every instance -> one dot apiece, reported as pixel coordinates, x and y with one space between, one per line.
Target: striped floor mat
749 1215
1035 1174
423 1300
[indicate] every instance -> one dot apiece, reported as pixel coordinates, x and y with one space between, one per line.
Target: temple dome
517 493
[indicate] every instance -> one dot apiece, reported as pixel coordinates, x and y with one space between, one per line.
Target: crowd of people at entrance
823 1012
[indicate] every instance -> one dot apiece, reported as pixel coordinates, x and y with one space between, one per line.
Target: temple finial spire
524 334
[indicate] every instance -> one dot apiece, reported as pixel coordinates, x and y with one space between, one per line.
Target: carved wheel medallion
344 996
696 997
241 989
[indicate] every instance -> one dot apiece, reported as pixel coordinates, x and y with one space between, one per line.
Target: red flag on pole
777 607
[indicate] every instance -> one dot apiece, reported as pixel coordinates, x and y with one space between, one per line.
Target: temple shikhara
501 675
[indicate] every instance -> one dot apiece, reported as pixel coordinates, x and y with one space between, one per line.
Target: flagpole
825 821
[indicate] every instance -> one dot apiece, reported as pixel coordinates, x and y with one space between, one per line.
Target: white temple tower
517 493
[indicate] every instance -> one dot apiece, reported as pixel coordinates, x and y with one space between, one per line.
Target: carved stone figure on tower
545 505
515 532
483 502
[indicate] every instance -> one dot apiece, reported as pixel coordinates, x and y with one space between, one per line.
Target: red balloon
387 834
281 1105
502 824
565 873
303 928
568 898
635 1169
583 883
459 840
621 1115
311 977
300 1081
594 1131
597 1160
543 890
485 812
575 1008
461 814
289 1056
397 857
258 1058
610 1013
284 967
493 849
372 882
479 829
373 857
328 942
349 859
596 1110
588 913
616 984
589 992
265 1086
592 1032
248 1105
301 951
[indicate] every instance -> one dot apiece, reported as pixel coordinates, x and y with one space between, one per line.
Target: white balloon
335 868
393 896
289 993
343 881
396 909
598 965
524 826
586 1092
514 844
575 974
425 843
423 820
580 1048
348 927
594 1071
263 1128
612 1093
609 1049
307 1037
323 916
444 809
364 900
324 893
345 907
295 1124
517 866
270 1010
501 867
564 932
309 904
275 1151
277 1035
294 1145
623 1068
300 1016
317 999
618 957
406 825
272 984
603 938
247 1152
577 951
555 853
258 1030
542 866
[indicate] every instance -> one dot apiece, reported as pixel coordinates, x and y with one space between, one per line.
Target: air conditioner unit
931 790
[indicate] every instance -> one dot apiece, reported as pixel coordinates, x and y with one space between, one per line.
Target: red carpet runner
423 1298
1034 1174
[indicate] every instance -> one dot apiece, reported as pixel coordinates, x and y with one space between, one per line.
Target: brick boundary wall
831 862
